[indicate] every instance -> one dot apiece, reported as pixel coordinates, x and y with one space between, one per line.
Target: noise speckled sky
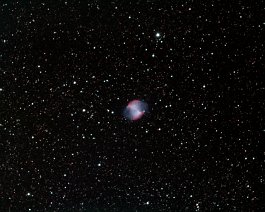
69 68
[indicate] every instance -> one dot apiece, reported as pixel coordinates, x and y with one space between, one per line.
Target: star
158 35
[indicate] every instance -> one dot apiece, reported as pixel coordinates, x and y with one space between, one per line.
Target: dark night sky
68 70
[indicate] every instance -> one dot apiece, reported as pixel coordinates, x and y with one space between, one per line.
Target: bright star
158 35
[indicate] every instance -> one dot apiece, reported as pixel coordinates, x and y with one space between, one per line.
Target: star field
69 68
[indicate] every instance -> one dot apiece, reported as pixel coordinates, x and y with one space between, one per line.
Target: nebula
135 110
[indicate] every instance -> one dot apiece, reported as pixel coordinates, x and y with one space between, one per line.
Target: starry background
69 68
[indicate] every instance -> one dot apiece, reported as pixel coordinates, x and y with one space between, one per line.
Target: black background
68 70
